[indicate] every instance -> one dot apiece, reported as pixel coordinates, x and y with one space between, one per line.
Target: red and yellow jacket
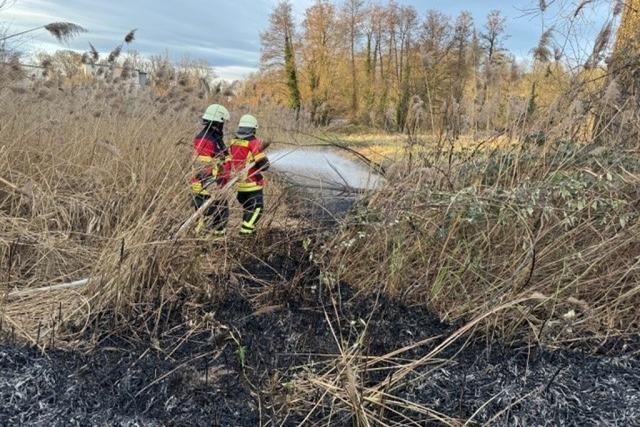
242 152
209 154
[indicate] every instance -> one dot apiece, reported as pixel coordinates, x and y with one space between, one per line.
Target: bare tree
407 25
318 47
461 41
352 16
278 51
491 42
493 36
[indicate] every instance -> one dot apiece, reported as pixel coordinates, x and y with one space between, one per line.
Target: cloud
234 72
224 33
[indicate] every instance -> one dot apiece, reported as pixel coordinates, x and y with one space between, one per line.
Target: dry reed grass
512 237
555 217
94 184
95 177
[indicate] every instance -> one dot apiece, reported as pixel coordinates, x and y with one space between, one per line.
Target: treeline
393 67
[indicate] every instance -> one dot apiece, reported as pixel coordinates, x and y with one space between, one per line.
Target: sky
226 33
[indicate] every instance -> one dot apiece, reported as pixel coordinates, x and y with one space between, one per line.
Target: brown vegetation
94 183
389 66
534 238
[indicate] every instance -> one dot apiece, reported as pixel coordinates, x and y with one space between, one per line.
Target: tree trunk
354 77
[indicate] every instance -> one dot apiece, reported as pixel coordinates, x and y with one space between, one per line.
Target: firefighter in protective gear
209 154
245 149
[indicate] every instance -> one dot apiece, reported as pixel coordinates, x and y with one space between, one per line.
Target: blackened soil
235 373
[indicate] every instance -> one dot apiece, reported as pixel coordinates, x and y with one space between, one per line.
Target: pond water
323 168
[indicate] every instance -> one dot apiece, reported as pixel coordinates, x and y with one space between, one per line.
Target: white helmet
216 113
248 121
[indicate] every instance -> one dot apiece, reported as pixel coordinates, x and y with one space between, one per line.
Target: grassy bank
461 232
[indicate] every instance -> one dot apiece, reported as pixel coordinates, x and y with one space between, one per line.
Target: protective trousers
215 217
252 205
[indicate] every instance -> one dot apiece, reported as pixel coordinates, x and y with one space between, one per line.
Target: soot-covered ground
236 373
202 381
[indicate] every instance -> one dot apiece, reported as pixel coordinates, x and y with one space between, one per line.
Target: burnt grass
235 371
207 381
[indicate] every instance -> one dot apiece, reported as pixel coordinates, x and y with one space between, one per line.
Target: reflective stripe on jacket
243 152
209 153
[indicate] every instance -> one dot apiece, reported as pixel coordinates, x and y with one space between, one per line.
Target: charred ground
238 373
278 324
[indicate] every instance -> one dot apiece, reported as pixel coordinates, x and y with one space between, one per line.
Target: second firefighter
209 156
244 150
